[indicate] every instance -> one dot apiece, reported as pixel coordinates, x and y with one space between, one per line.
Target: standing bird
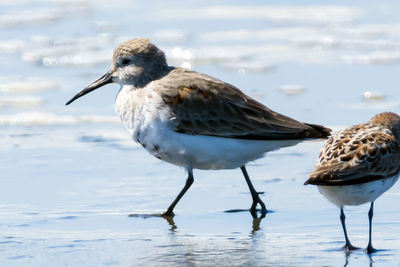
359 164
193 120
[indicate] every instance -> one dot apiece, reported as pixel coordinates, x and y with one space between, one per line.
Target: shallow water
70 176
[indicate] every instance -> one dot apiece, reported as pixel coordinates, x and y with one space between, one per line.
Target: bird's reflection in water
169 219
257 215
370 260
181 248
256 224
353 257
348 257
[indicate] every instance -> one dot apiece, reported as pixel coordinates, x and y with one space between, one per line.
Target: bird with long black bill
194 120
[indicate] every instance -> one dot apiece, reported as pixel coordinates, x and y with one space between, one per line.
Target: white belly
357 194
208 152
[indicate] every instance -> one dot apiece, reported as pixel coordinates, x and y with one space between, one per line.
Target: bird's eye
125 61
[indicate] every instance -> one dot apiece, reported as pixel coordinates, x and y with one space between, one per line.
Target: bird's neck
147 76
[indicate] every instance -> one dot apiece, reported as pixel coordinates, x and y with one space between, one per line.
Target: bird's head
390 120
135 62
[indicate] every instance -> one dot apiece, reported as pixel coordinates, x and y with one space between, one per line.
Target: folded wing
355 159
204 105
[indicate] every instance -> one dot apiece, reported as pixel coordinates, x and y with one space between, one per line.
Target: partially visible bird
359 164
194 120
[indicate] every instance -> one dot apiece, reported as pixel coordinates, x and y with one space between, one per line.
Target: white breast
141 111
147 119
357 194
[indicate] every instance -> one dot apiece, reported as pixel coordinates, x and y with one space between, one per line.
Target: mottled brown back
359 154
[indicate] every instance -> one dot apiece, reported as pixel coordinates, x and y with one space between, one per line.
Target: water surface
71 175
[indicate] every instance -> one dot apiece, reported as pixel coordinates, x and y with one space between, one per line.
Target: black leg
189 182
254 195
370 248
348 246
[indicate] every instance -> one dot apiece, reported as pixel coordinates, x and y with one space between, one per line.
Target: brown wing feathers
351 157
212 107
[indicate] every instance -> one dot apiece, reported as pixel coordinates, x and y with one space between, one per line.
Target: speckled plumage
359 164
360 153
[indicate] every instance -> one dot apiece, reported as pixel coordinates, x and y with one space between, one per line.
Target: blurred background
70 175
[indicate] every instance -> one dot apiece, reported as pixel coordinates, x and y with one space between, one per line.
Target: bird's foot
253 209
370 249
254 213
168 218
168 213
349 247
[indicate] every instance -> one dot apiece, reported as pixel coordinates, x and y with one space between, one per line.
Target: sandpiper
359 164
194 120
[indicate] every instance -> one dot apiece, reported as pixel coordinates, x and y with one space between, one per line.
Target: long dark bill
103 80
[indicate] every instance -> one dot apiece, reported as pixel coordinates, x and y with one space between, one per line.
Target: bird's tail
321 131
